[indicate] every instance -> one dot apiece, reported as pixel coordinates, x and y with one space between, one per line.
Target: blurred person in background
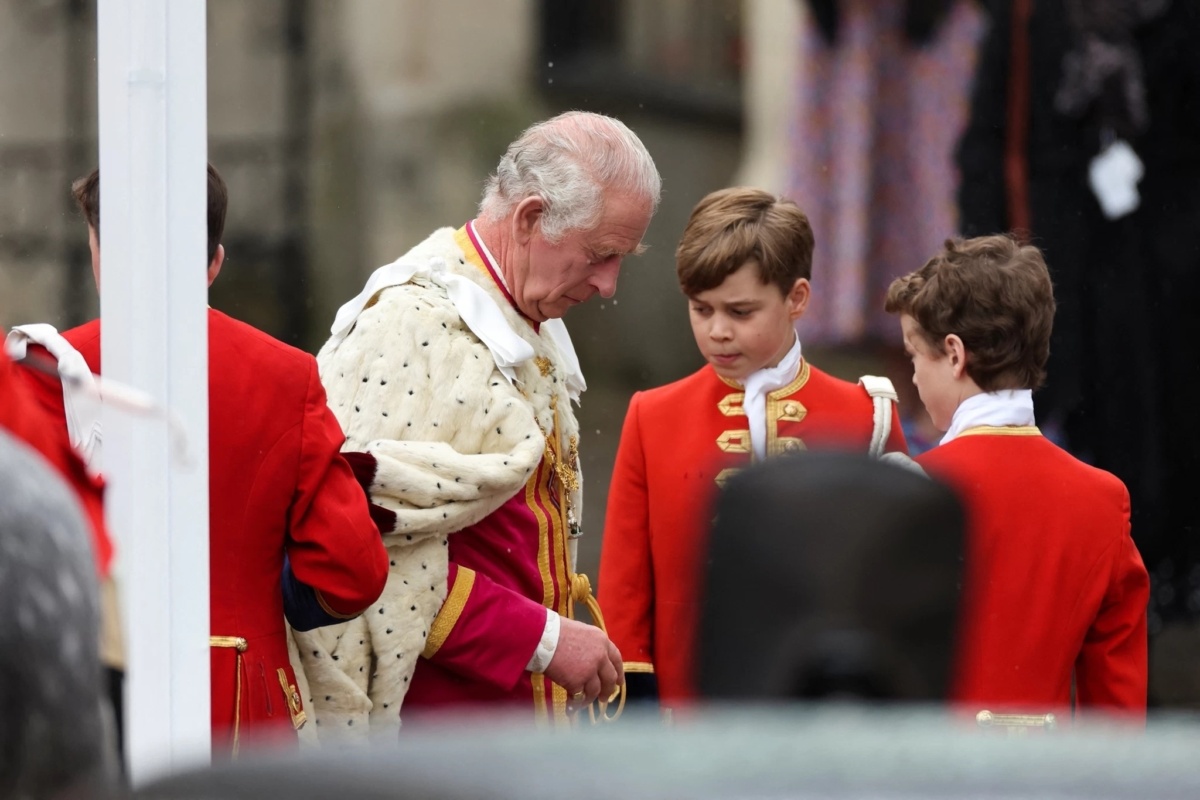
288 519
1054 590
1083 132
453 376
52 733
24 417
743 263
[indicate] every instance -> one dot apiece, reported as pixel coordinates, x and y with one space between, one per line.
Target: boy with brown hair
744 263
1054 588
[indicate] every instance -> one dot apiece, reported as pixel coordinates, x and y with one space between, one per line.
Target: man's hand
585 663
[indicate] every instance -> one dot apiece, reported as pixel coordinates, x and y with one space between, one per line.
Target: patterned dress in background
876 123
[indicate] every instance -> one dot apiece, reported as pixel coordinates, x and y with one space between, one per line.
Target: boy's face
94 246
744 325
933 375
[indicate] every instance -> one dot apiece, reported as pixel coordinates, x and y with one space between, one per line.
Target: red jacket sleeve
1111 670
484 631
626 569
33 411
333 544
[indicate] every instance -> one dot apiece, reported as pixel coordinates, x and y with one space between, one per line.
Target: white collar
478 310
758 385
556 329
998 409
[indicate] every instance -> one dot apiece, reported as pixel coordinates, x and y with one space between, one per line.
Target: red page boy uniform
1053 584
280 493
678 445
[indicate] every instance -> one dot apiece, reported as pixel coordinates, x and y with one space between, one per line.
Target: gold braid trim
239 644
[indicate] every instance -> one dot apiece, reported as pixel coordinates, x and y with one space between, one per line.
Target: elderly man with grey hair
452 375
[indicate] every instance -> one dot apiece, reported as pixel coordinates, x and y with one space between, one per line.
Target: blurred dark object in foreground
818 752
52 735
831 576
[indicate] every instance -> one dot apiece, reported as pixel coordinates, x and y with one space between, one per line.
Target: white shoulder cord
81 387
883 397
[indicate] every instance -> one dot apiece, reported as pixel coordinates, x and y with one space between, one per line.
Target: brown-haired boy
744 263
1054 587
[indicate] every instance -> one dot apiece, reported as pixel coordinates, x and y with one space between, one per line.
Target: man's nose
604 277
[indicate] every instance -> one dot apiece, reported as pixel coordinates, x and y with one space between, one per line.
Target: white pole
153 151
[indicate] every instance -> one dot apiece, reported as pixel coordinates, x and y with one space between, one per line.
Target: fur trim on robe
453 440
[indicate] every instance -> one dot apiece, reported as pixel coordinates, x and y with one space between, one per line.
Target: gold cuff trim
451 610
325 607
639 666
1002 430
295 707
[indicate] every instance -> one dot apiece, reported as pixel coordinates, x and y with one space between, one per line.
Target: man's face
550 278
744 325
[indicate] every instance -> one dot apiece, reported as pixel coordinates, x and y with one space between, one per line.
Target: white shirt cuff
546 647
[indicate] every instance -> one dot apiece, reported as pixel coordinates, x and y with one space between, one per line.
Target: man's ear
956 352
797 299
214 268
526 218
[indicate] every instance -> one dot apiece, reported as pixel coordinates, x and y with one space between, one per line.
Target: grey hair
571 161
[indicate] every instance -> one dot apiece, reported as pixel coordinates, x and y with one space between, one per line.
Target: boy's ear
797 299
956 352
214 267
526 217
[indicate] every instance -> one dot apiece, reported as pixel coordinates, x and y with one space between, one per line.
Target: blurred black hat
831 576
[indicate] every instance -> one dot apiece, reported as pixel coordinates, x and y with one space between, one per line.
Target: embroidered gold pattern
544 365
791 444
724 475
731 404
776 410
734 442
295 707
792 411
